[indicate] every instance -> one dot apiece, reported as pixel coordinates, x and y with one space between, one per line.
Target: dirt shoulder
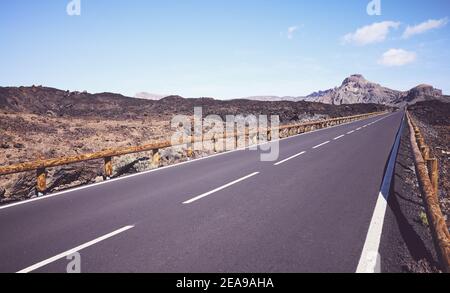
406 243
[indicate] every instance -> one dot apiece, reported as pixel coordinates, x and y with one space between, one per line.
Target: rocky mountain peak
355 79
426 89
355 89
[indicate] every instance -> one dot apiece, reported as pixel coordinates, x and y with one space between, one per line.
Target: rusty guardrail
427 170
40 166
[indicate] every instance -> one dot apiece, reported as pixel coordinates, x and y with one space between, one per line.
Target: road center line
350 132
358 129
339 137
220 188
288 159
322 144
74 250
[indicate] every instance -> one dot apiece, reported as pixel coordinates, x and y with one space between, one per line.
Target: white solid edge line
73 250
322 144
220 188
369 261
167 167
370 258
339 137
288 159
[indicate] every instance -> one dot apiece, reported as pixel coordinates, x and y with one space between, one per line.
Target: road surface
309 211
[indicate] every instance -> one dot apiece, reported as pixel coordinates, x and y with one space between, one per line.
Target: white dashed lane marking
322 144
290 158
219 188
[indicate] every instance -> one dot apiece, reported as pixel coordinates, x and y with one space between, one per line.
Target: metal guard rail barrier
107 155
427 170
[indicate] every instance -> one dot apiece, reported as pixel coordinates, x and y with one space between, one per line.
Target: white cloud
424 27
374 33
397 57
291 32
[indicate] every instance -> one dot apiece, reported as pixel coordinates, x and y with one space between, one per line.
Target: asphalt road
227 213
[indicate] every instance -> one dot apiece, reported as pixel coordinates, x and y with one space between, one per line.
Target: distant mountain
149 96
357 90
421 93
318 94
274 98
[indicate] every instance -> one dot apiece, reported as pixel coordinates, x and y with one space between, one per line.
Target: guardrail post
156 158
256 138
41 184
108 168
214 142
420 142
190 150
247 137
433 170
425 152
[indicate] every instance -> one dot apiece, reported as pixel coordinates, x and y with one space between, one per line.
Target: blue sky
223 48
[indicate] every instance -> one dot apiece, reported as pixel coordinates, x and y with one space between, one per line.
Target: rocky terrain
40 122
407 245
64 104
433 118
